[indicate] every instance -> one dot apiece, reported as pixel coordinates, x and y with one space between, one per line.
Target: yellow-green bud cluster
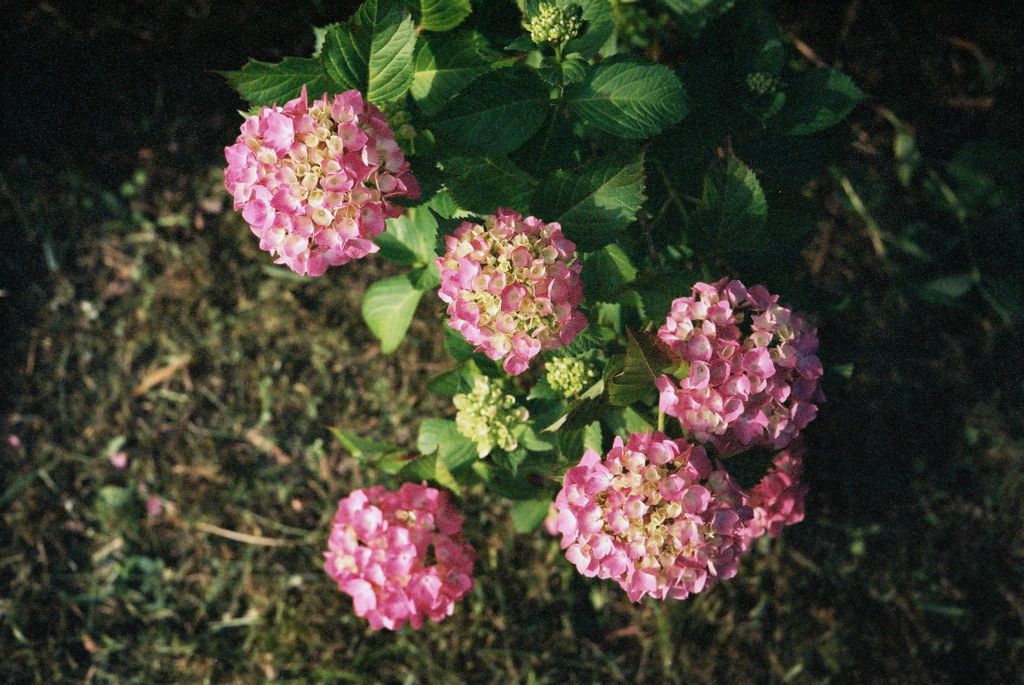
487 416
555 25
761 83
569 376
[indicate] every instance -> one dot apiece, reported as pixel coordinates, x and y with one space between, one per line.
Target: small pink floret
314 181
154 506
778 500
400 555
513 287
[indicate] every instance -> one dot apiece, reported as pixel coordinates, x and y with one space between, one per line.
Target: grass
147 321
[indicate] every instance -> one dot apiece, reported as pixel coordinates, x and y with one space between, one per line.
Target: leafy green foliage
410 238
644 361
628 97
695 14
732 210
598 28
605 272
441 436
264 84
593 203
498 114
572 69
819 99
975 240
370 452
373 51
388 308
444 65
528 514
440 15
483 184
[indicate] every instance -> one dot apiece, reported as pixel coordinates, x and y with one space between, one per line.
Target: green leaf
388 308
510 460
1005 295
627 421
458 381
542 390
482 184
582 411
444 66
373 51
442 436
528 514
264 84
629 98
592 438
530 441
643 363
819 99
497 114
410 238
420 469
732 210
695 14
456 345
371 453
502 482
441 15
573 443
593 203
657 290
605 272
573 69
947 290
598 28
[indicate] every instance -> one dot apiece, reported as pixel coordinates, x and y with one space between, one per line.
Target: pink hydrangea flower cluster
513 287
313 181
400 555
778 500
748 373
652 516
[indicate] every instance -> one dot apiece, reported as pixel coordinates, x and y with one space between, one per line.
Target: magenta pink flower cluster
400 555
652 516
748 374
313 181
513 287
778 500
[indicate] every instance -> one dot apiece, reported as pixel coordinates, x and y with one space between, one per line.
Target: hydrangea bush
575 182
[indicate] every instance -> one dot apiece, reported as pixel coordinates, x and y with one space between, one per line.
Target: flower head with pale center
653 516
748 373
314 181
400 555
513 287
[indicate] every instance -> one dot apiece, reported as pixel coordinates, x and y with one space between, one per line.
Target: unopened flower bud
487 416
555 25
